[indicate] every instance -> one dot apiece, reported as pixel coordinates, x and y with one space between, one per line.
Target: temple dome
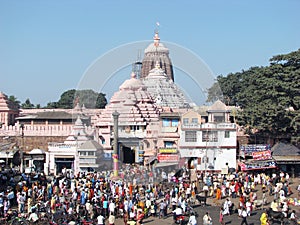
160 48
133 83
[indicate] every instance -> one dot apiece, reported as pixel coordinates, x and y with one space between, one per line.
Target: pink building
8 112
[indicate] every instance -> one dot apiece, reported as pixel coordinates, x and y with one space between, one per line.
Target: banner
167 150
167 157
263 155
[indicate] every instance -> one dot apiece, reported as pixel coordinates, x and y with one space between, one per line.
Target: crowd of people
138 193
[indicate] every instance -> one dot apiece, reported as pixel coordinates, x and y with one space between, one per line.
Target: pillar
115 147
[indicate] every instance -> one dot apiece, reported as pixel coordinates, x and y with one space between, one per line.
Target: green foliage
89 98
66 100
269 97
13 102
27 104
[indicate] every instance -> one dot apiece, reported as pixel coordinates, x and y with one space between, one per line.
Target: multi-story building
208 142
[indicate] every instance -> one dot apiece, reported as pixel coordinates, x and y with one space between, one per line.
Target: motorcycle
179 219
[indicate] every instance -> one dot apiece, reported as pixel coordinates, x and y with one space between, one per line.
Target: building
287 157
8 111
137 110
157 52
208 142
163 90
77 153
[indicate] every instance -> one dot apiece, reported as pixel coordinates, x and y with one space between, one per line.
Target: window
166 122
169 144
219 117
227 134
170 122
194 120
87 160
102 139
174 122
205 159
91 153
210 136
185 121
191 136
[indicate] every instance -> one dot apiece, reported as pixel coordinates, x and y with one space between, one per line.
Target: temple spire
156 39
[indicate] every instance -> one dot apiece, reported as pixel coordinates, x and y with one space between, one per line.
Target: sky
46 47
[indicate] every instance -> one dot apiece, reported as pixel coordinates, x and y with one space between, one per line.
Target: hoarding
168 157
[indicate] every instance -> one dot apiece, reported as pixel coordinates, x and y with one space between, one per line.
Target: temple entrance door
62 163
128 155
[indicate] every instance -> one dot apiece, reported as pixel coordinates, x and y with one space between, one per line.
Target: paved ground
214 207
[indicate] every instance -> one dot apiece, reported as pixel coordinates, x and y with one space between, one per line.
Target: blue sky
46 46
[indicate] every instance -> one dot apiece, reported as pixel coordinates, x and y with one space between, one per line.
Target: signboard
141 156
191 153
167 150
262 155
256 166
247 150
167 157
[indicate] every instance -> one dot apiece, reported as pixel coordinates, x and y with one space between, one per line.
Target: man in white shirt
100 220
177 212
192 220
244 217
112 207
207 219
33 217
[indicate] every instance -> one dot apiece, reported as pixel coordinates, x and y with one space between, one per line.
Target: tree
66 100
51 105
269 97
27 104
89 98
13 102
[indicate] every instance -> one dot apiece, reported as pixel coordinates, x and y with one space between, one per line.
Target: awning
150 159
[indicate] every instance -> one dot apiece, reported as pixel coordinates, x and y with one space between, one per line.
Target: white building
77 153
208 141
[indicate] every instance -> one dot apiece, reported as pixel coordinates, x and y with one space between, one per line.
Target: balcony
191 126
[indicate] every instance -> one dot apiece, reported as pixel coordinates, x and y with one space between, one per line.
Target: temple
164 91
157 52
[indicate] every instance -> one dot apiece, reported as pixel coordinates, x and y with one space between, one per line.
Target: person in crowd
100 219
226 207
111 219
177 212
244 215
33 217
207 220
221 216
264 218
192 219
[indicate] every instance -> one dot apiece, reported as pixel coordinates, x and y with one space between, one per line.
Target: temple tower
157 52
